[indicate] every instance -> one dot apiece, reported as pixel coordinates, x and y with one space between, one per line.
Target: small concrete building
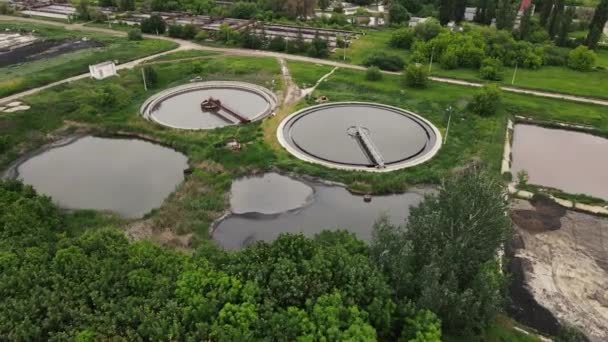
103 70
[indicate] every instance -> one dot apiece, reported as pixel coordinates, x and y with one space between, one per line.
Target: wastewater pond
126 176
262 207
571 161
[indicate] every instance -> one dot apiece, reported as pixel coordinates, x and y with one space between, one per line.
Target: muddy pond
126 176
571 161
262 207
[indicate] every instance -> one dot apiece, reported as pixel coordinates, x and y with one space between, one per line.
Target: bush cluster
384 61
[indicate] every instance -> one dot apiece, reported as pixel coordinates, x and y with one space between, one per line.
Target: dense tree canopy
445 257
438 271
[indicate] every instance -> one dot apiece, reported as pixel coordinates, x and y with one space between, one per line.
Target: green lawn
367 44
306 74
20 77
557 79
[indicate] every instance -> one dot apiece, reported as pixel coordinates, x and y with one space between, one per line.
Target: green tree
444 258
555 18
243 10
486 101
397 14
446 11
565 26
485 12
416 76
155 25
545 12
126 5
597 24
428 29
402 38
424 326
459 9
525 24
82 10
506 11
581 59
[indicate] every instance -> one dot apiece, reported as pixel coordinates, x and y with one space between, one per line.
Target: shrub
318 48
175 31
402 38
384 61
416 76
201 35
373 74
135 34
555 56
491 69
449 60
486 101
277 44
581 59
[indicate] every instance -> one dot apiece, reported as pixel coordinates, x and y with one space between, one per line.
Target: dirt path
184 44
292 93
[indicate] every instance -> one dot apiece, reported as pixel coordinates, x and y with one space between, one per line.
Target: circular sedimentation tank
359 136
208 105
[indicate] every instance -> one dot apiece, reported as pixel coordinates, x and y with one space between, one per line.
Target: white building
103 70
417 20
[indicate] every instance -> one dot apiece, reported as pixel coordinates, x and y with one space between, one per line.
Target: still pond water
126 176
265 206
571 161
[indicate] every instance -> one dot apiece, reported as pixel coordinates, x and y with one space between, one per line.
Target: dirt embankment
559 263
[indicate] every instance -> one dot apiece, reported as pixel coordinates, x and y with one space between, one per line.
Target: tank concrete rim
146 108
393 167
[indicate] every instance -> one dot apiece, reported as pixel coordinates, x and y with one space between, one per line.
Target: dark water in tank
571 161
322 133
184 110
126 176
331 207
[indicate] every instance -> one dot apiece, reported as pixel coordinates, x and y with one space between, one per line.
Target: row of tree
438 271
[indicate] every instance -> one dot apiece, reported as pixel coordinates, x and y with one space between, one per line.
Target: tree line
437 274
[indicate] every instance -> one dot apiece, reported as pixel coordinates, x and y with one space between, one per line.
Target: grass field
556 79
20 77
372 41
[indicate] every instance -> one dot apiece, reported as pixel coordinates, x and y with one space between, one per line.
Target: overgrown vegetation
326 287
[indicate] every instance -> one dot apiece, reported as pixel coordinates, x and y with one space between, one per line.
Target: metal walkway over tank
215 105
367 144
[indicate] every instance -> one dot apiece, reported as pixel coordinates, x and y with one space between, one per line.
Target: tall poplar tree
597 24
565 25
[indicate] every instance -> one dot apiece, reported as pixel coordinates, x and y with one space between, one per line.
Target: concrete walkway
187 45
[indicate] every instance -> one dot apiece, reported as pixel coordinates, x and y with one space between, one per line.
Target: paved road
187 45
